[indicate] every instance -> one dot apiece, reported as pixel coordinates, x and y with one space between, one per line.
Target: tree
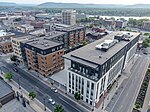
8 76
32 95
137 106
146 42
13 58
77 96
59 108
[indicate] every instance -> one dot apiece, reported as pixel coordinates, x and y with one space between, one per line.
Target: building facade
146 25
17 46
120 24
44 56
69 17
25 28
6 47
96 66
75 36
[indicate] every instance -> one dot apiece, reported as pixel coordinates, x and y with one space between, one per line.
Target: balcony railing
92 77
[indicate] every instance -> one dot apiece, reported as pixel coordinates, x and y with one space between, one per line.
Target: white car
53 102
50 100
55 90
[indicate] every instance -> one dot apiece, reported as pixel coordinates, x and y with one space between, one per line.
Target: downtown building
75 36
69 17
44 55
95 67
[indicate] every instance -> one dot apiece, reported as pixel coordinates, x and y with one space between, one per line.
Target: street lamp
117 83
19 82
1 70
44 104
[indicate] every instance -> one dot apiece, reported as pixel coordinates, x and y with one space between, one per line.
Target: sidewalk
35 104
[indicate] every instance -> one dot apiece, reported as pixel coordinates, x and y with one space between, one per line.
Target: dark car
14 69
14 64
145 53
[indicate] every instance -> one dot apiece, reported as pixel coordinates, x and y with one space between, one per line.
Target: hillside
7 4
77 5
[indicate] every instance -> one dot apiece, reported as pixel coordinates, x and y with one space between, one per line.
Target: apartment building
5 43
44 56
146 25
6 47
26 28
96 66
120 24
75 36
69 17
18 48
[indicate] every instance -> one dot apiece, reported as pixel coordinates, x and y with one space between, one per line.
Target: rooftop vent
106 44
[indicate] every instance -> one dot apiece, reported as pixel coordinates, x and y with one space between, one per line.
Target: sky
125 2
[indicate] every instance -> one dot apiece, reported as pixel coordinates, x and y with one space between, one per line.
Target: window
92 86
73 77
87 100
88 84
69 90
72 92
53 49
90 102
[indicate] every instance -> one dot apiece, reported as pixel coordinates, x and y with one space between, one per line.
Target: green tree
146 42
32 95
13 58
137 106
59 108
8 76
77 96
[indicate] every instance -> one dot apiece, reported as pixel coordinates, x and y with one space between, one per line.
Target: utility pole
19 82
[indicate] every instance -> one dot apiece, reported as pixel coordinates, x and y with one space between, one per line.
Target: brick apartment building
6 47
44 55
75 34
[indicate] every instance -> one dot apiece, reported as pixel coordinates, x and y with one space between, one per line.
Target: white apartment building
96 66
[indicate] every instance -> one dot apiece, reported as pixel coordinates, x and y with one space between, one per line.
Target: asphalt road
126 95
30 83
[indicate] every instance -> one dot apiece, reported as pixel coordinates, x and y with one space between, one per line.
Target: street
123 101
30 83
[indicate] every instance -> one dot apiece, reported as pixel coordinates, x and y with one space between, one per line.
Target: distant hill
7 4
77 5
14 4
139 6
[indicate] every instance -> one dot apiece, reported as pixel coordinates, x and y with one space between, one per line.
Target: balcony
92 77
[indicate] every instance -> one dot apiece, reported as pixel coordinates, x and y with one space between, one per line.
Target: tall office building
96 66
69 17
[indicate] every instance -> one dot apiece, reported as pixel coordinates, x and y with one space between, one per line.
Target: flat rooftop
3 33
25 38
42 43
53 34
71 28
89 55
5 89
